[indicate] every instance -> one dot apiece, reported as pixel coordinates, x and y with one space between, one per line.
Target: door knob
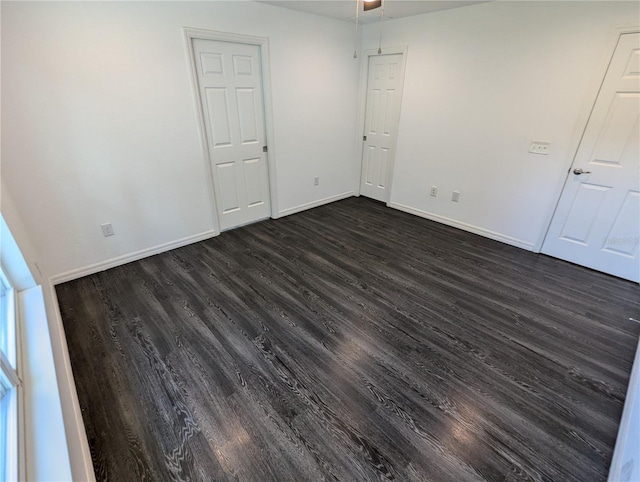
579 171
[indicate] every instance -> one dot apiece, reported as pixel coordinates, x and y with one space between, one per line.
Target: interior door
383 100
230 86
597 220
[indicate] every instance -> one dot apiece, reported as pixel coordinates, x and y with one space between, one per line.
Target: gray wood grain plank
350 342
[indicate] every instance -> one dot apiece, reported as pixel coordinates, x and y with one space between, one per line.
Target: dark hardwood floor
351 342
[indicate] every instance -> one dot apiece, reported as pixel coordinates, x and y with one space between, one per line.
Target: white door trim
362 107
262 42
588 104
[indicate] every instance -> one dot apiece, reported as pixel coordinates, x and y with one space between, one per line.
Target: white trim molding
625 465
503 238
263 43
362 108
128 258
314 204
78 444
595 83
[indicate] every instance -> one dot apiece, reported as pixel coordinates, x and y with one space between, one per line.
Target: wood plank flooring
351 342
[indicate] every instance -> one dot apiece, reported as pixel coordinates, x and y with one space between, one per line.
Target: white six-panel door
383 100
230 85
597 220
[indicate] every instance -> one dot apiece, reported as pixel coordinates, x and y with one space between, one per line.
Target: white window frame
13 467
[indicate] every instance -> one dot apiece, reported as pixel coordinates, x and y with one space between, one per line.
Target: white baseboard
78 445
314 204
625 465
128 258
464 226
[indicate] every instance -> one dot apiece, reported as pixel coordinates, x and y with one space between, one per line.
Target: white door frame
263 43
362 108
585 114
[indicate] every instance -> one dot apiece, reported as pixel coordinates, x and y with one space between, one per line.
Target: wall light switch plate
539 147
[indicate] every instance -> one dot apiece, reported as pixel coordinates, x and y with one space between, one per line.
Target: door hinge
364 138
265 149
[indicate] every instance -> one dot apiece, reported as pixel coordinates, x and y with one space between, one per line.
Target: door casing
588 105
362 106
263 43
599 209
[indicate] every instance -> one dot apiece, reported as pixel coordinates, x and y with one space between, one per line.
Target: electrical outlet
316 181
539 147
456 196
107 229
434 191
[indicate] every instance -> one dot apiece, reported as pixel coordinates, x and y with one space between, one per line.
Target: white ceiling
346 9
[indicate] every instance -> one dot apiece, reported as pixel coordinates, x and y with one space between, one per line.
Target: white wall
99 125
99 121
481 83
